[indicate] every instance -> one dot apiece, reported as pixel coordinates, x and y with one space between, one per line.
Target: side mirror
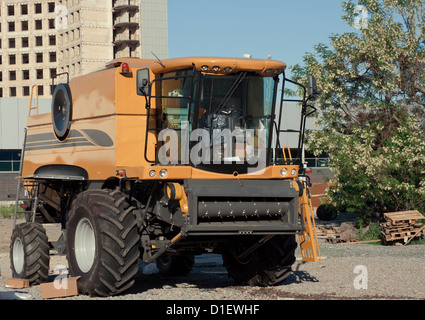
143 82
313 92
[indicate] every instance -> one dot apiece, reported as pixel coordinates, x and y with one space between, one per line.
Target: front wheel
29 252
102 242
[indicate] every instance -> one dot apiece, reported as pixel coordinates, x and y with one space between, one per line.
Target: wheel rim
18 255
85 245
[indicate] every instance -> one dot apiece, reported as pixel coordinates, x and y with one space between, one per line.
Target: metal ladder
31 189
36 105
309 244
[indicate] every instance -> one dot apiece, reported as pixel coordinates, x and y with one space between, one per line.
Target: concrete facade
39 39
28 47
84 31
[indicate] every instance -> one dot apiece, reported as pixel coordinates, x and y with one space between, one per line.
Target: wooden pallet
328 233
400 235
392 229
402 217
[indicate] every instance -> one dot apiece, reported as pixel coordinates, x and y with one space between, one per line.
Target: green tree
372 106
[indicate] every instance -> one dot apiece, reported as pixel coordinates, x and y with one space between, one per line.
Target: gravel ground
346 272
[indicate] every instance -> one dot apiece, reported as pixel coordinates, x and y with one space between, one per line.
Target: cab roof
212 65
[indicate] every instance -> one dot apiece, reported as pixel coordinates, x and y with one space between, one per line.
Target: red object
121 172
125 68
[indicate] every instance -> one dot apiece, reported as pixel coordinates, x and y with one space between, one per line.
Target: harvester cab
162 161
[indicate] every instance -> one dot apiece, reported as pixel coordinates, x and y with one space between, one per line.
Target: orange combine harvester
162 161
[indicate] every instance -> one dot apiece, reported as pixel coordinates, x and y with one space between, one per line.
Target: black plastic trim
61 172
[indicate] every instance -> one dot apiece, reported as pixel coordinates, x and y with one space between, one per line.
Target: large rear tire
29 252
269 265
102 242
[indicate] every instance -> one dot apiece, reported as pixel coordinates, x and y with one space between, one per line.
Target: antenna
160 62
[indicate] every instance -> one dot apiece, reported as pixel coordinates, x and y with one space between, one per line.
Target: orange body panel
98 161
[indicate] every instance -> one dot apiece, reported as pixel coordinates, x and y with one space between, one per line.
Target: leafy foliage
372 107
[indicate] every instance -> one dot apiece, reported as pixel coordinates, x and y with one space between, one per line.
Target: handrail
284 153
36 107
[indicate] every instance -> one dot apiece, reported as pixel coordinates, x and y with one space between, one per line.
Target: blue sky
229 28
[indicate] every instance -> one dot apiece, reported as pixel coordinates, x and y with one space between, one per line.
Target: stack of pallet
401 227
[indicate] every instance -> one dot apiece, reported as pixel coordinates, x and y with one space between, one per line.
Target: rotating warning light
125 68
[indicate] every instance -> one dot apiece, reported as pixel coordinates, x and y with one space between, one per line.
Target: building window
39 41
1 92
38 25
12 43
12 59
51 6
39 73
52 40
12 75
11 26
1 76
53 72
51 23
40 90
10 10
25 58
25 74
9 160
39 57
24 9
52 56
12 91
25 42
24 25
26 91
37 8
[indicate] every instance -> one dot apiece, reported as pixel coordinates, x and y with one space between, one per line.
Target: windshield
226 122
236 110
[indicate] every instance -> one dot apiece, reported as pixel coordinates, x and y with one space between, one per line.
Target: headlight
283 172
152 173
293 172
